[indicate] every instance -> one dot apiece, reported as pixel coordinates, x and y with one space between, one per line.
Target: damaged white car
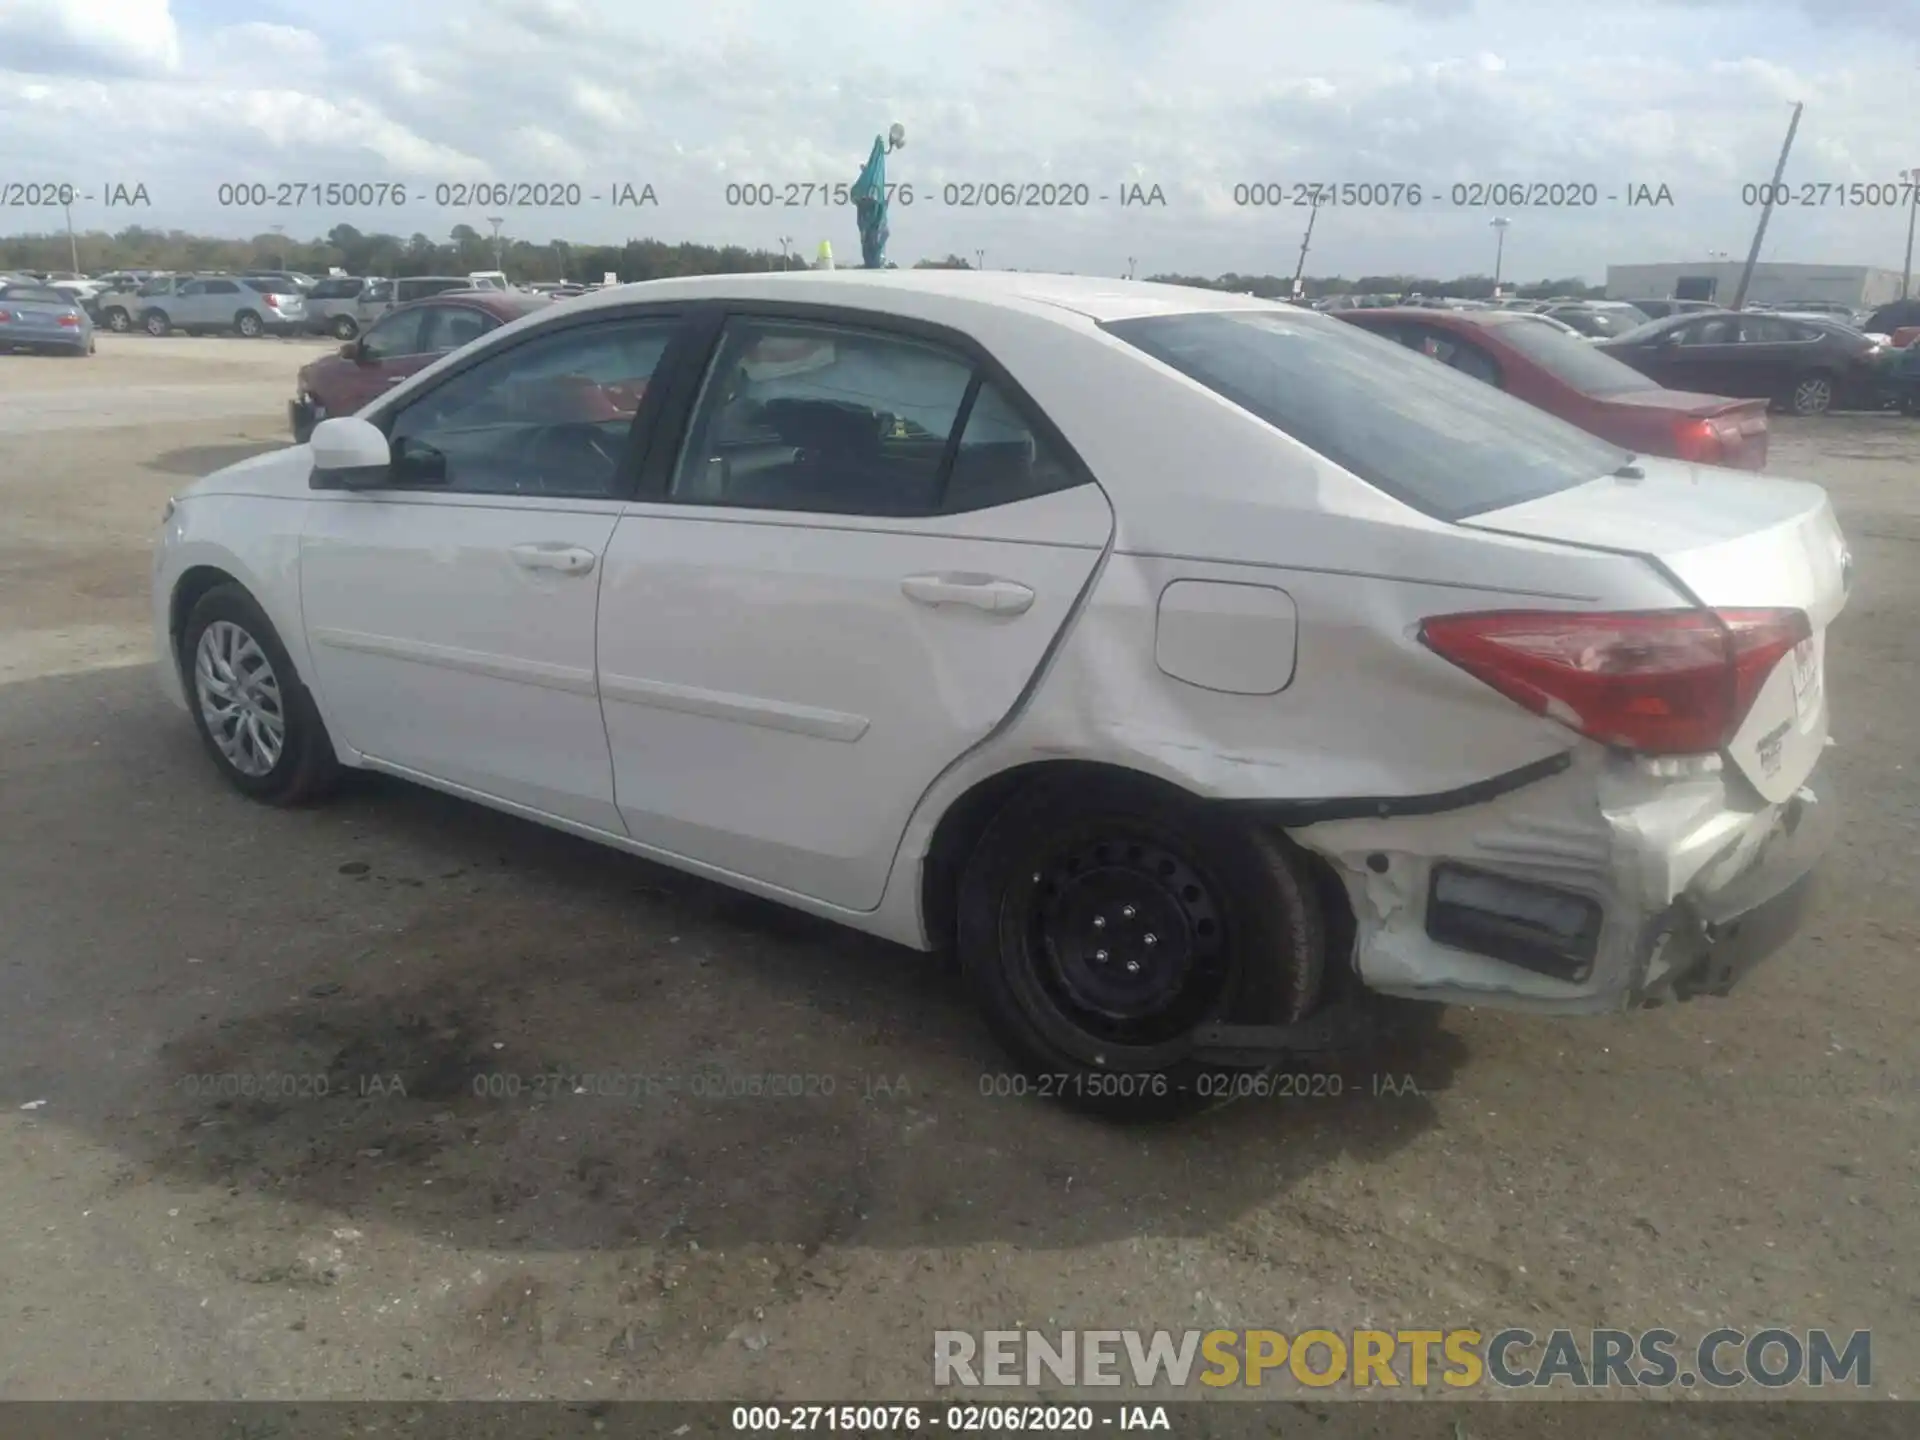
1193 666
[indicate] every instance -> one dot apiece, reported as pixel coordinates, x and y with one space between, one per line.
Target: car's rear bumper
1711 942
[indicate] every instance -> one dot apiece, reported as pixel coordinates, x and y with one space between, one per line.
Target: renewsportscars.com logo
1510 1359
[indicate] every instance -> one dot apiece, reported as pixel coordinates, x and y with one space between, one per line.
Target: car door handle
567 559
982 592
395 379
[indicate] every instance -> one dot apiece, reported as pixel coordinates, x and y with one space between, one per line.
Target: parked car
1903 380
405 340
335 305
1899 315
1192 665
384 295
288 281
39 317
1599 319
1565 375
1806 366
122 304
226 302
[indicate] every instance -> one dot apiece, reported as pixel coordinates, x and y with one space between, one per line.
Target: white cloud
1197 100
113 37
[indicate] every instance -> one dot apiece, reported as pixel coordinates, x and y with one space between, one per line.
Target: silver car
227 302
40 318
126 299
335 305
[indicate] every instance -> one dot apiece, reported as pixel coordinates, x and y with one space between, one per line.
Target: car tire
248 324
343 327
1213 920
119 321
228 639
1812 394
156 323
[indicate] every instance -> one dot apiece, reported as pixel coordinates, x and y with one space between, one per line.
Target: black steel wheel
1103 921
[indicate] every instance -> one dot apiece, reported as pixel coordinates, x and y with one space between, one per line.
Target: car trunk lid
1729 542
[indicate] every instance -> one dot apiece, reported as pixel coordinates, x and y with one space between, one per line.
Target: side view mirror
349 454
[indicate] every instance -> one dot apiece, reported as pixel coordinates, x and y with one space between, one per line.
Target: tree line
466 250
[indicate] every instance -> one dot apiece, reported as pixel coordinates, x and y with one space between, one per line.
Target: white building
1861 286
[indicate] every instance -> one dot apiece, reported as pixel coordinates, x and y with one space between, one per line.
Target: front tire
344 328
254 715
248 324
1812 394
1102 923
119 321
157 323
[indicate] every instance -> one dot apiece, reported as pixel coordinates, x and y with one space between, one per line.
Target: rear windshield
1571 361
1444 443
35 294
1606 323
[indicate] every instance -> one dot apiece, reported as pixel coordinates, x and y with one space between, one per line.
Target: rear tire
344 328
254 714
248 324
119 321
156 323
1100 923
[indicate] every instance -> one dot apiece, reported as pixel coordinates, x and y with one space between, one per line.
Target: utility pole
785 242
1130 265
1912 177
1766 211
496 221
1300 266
1500 224
73 245
980 259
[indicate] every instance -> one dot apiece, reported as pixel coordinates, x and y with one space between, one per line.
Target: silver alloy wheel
249 324
1812 395
239 698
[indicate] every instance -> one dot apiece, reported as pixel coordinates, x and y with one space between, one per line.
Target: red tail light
5 316
72 322
273 301
1697 440
1660 682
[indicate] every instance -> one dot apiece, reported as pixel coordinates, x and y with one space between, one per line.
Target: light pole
280 247
786 242
496 221
73 245
1500 224
1913 209
1130 267
979 259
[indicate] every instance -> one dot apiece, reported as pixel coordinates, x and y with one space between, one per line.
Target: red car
406 339
1568 377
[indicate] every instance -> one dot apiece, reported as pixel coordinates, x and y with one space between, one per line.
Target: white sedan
1197 667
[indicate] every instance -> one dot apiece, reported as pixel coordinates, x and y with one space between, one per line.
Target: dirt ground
417 1231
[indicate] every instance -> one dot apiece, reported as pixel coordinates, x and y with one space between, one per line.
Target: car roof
935 294
507 304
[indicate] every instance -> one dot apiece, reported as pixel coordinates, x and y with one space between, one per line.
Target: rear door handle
981 592
567 559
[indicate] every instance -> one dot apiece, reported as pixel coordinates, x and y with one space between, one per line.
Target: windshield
1444 443
1571 360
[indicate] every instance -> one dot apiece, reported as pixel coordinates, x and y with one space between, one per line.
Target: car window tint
383 291
222 287
549 417
1721 330
819 418
34 294
399 334
1423 433
1001 459
1763 330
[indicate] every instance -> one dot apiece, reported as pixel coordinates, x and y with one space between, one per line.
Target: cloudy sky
1197 97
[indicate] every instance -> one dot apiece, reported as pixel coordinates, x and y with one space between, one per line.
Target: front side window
551 416
398 334
449 327
797 416
1431 437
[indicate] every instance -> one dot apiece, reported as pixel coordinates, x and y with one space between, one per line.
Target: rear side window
1428 435
1574 363
334 290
